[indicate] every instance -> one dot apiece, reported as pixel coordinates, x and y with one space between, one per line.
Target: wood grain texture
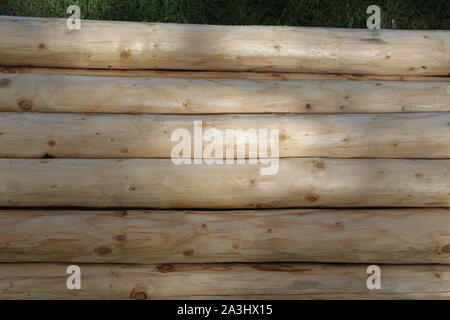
344 236
61 93
217 74
158 183
224 281
130 45
408 135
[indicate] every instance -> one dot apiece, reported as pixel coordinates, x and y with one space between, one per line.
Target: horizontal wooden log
159 183
217 74
61 93
409 135
224 281
130 45
345 236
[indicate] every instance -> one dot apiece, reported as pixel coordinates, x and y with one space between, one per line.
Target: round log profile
223 281
399 236
160 183
42 42
87 94
407 135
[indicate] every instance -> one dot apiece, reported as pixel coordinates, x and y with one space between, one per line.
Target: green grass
396 14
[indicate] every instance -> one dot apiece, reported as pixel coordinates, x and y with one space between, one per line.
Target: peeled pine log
159 183
217 74
224 281
42 42
345 236
61 93
409 135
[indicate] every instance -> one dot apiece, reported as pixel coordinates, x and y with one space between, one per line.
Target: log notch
345 236
61 93
409 135
159 183
218 74
223 281
129 45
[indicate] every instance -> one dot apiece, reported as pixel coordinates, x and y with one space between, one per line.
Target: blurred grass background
396 14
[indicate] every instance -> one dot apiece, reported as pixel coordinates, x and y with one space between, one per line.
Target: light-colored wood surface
61 93
36 100
224 281
217 74
132 236
409 135
159 183
129 45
